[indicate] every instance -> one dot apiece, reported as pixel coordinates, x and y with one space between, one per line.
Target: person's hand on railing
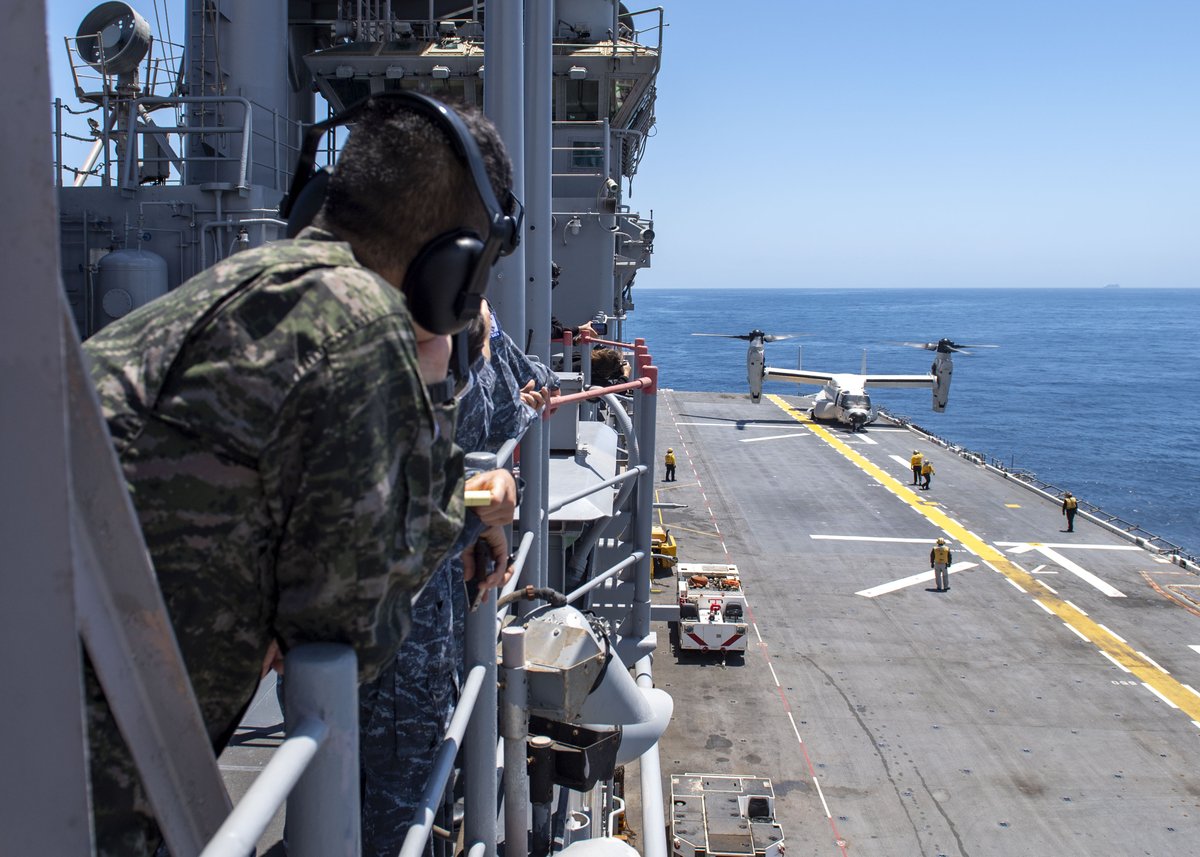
536 399
502 502
493 543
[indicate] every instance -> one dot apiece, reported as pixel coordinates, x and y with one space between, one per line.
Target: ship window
621 90
581 100
587 155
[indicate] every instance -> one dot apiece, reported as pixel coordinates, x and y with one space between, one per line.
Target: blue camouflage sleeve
354 468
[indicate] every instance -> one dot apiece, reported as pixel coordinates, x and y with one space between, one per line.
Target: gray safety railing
315 769
128 177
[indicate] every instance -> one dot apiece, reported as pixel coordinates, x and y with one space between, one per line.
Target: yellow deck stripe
1101 637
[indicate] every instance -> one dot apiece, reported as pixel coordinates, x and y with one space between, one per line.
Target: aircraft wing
898 380
799 376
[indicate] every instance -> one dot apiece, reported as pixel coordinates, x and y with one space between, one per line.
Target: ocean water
1094 391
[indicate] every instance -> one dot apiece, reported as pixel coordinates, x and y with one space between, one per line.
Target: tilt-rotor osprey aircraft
843 396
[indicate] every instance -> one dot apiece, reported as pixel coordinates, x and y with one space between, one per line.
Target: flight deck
1045 705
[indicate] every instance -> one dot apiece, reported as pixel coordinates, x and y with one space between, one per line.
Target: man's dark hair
398 184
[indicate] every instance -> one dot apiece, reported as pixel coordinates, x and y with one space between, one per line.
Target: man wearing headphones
285 419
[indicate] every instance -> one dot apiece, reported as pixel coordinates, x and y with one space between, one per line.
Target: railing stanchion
323 815
479 744
515 730
646 414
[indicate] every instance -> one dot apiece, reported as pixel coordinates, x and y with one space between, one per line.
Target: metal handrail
241 830
632 473
128 180
576 593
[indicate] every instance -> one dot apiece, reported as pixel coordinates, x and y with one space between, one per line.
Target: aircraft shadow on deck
741 424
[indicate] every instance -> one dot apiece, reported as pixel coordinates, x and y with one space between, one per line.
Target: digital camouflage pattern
404 714
291 477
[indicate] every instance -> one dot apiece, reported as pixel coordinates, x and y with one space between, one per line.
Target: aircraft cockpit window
850 400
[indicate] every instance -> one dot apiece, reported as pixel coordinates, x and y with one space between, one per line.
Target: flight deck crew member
915 463
670 463
1069 507
279 420
927 472
939 561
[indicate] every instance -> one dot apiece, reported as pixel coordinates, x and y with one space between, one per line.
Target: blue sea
1094 391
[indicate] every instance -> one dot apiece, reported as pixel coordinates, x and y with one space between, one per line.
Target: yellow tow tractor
664 549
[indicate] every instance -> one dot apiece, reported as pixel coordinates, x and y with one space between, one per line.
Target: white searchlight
113 38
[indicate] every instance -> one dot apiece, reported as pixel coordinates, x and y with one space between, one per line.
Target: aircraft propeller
946 346
754 334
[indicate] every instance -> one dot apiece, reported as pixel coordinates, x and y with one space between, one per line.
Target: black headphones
448 277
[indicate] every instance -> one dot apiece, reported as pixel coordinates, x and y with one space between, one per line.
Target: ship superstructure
170 158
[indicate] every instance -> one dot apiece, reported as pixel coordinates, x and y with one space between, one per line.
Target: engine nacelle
942 369
754 369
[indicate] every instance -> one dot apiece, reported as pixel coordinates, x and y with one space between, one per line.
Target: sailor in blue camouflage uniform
293 480
404 714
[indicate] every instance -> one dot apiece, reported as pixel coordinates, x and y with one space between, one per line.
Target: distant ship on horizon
1112 285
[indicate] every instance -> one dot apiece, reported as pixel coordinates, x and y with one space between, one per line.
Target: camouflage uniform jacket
291 476
404 713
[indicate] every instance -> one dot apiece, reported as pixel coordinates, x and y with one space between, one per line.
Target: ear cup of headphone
438 283
303 209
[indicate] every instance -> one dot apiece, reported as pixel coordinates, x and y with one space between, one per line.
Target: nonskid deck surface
1042 706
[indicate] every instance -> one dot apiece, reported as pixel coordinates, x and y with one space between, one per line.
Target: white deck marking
903 462
1115 662
1195 649
736 424
1152 662
1114 633
776 436
772 668
1192 689
828 814
926 540
862 438
1078 634
1022 547
1038 570
1048 587
913 580
1043 606
1019 587
1079 571
1076 606
1159 695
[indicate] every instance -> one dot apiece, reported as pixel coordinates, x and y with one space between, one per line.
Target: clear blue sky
860 143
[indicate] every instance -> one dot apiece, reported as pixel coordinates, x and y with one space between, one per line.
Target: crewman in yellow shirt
670 462
939 561
926 472
915 462
1069 507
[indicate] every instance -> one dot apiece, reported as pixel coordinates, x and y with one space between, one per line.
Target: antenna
864 363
